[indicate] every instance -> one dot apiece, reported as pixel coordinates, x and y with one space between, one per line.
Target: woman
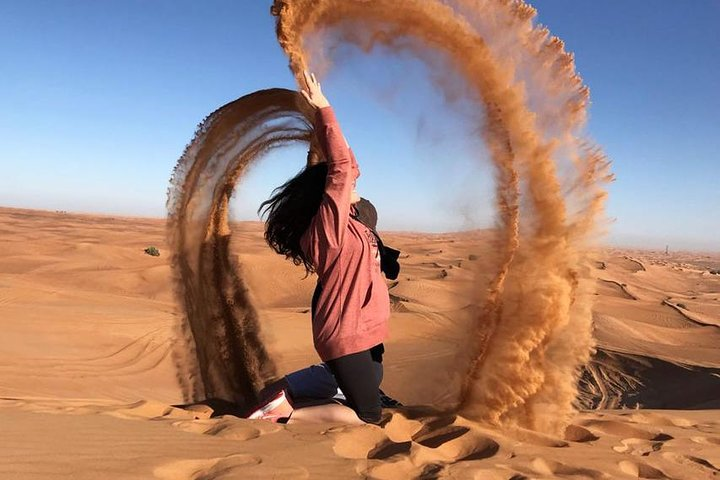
312 219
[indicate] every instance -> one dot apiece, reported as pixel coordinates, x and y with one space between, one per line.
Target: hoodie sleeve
330 223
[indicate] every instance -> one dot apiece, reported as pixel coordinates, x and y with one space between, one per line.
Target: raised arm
332 218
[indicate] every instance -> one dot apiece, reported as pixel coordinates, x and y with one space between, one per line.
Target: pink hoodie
354 306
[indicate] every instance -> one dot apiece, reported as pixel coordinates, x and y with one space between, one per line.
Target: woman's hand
314 94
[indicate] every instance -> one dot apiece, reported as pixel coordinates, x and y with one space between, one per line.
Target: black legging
359 376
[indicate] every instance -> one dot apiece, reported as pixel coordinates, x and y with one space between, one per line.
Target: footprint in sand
537 438
398 468
638 446
706 440
400 428
358 442
660 420
576 433
554 469
437 438
229 427
620 429
196 469
231 466
697 464
458 443
388 449
641 470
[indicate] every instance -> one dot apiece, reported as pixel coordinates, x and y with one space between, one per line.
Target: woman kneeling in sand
313 220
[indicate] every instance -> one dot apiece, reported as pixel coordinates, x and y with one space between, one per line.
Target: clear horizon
99 101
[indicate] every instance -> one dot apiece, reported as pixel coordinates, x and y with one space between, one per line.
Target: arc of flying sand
219 351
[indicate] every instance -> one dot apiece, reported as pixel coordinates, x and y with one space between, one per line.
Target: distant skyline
99 99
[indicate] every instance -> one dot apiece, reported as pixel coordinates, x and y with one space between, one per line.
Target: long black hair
290 209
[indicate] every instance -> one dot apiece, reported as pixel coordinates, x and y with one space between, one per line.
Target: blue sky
98 100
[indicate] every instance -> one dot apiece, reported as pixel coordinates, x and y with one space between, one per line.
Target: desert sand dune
87 380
